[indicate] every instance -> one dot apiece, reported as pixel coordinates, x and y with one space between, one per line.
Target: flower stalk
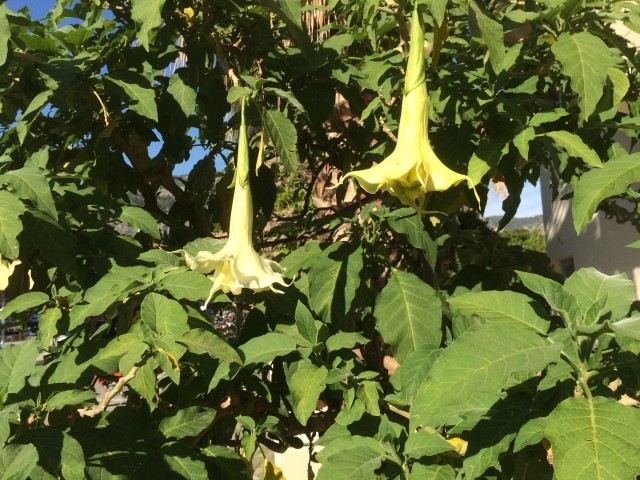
413 169
237 265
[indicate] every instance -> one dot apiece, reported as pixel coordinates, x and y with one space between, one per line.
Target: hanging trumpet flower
237 265
413 169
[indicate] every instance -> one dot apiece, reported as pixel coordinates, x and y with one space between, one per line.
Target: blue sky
530 205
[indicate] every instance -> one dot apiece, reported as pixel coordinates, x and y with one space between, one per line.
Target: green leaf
301 258
521 141
17 461
160 257
265 348
334 277
5 35
432 472
10 224
24 302
486 157
628 327
163 315
574 146
413 370
541 118
60 248
121 345
405 220
556 296
136 87
425 444
226 463
488 32
183 461
30 184
595 185
183 94
478 363
503 308
306 324
57 451
236 93
59 400
187 422
589 286
306 383
200 341
344 340
282 133
291 10
354 459
408 314
31 113
16 363
140 219
146 14
369 393
594 438
187 285
47 326
585 59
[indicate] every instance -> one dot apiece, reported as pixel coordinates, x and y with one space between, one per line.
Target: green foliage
408 345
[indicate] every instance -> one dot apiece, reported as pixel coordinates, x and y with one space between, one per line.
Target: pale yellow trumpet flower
413 169
237 265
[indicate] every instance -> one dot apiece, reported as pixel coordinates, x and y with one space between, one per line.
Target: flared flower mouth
237 265
413 169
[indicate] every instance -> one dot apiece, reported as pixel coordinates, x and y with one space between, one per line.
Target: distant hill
525 222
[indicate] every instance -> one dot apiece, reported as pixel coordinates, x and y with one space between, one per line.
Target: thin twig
104 108
104 403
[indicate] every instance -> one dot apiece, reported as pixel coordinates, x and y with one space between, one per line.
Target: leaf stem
108 396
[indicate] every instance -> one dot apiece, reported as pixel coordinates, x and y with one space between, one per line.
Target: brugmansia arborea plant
237 265
413 169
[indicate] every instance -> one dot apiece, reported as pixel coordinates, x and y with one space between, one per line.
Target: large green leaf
24 302
5 35
17 362
47 326
478 363
187 285
301 258
17 461
556 296
503 308
413 370
405 220
146 14
10 224
432 472
489 32
574 146
60 248
585 60
140 219
426 444
408 314
57 451
187 422
183 461
200 341
29 183
588 286
595 439
163 315
595 185
334 277
306 383
265 348
31 113
282 133
142 97
354 458
183 94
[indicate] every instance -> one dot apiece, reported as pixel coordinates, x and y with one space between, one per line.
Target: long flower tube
413 169
237 265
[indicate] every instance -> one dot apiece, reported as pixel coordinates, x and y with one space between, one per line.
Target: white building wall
602 244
